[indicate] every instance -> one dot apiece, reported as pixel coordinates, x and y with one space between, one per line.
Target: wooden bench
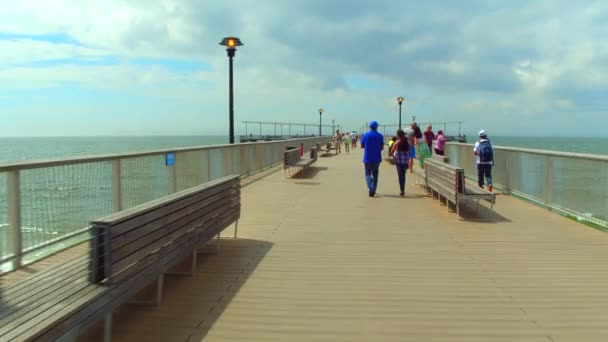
326 150
129 251
448 181
294 161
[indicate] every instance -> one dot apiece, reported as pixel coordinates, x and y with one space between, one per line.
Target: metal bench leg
458 207
236 227
157 298
107 328
192 267
477 208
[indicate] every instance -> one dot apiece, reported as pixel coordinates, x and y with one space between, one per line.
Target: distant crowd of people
412 143
348 139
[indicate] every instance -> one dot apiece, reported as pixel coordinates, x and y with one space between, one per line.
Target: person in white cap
484 153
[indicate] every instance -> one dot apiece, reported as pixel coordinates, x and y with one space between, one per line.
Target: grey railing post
14 216
209 165
116 186
548 182
172 178
508 174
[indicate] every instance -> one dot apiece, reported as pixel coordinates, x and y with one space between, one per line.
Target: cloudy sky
104 67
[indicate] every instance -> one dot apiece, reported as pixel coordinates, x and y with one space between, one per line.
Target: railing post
116 186
172 179
548 182
508 175
209 165
14 216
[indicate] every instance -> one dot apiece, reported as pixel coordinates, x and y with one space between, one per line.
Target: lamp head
400 100
231 42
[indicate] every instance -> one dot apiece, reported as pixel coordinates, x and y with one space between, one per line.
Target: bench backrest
443 159
133 239
445 176
292 156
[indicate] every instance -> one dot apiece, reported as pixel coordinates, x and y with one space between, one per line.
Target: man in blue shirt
372 143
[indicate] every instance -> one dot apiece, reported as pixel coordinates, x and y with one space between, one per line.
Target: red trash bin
301 150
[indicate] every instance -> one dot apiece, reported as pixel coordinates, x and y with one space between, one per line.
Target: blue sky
122 67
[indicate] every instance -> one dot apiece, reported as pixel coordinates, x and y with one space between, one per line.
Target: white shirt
476 149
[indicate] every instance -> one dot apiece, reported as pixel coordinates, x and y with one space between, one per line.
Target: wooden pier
318 260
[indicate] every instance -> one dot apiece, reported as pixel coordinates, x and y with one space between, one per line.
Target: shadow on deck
191 304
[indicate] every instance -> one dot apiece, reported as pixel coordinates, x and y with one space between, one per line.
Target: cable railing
46 205
573 184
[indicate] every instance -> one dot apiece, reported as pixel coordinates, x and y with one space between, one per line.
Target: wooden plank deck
318 260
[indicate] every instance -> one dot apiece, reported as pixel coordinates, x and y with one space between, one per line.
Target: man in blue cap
372 143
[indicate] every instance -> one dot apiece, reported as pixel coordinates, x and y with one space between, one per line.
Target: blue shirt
372 142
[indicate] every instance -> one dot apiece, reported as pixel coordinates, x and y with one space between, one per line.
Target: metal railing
47 205
574 184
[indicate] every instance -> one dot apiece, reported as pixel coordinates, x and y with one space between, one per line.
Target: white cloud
488 57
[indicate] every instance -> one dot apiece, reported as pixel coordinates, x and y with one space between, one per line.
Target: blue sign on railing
170 159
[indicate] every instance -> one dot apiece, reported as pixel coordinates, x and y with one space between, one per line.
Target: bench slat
125 256
119 240
26 284
41 293
172 205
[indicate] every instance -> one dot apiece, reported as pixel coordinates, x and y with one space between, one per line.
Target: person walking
421 147
410 134
400 151
429 136
346 140
372 144
338 141
484 153
440 143
353 140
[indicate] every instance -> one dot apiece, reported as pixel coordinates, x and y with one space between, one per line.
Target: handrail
191 166
52 162
574 184
585 156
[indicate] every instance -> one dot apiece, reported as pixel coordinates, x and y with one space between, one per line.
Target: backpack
486 152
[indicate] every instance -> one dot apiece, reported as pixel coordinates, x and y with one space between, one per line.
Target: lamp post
400 100
320 114
231 43
333 129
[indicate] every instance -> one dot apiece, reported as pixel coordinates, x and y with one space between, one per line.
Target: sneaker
402 194
490 188
371 193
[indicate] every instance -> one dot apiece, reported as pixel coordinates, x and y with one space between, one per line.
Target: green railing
46 205
574 184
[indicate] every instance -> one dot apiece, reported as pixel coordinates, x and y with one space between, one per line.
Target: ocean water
59 201
16 149
560 144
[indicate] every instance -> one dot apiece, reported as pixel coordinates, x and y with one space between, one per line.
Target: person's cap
483 133
373 124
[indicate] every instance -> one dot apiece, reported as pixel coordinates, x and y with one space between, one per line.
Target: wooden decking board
318 260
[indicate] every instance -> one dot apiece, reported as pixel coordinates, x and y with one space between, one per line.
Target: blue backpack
486 152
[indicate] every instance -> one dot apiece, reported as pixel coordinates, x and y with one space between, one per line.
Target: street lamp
333 129
320 114
231 43
400 100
